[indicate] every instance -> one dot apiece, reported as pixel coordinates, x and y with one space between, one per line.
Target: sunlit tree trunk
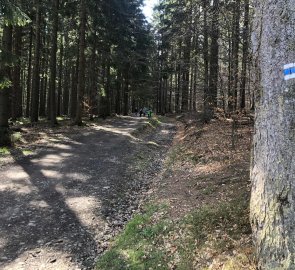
273 168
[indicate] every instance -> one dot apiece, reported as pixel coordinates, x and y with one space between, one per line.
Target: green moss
4 151
16 137
135 248
27 152
149 238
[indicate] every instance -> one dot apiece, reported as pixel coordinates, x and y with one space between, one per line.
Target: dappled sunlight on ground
51 174
209 168
56 204
85 209
39 204
17 174
42 259
124 132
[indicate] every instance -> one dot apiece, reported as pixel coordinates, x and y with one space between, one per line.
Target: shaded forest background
98 58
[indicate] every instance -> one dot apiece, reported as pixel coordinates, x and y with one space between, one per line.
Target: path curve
59 208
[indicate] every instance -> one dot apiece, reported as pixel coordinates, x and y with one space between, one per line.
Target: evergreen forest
134 142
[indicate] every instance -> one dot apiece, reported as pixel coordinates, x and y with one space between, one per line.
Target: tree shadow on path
61 198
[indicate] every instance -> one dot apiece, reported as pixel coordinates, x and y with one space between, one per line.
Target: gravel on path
60 207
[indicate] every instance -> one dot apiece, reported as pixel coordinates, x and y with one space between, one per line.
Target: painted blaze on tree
273 168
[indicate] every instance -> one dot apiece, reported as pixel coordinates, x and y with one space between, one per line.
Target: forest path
59 208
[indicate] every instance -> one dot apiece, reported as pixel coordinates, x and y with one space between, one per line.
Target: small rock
53 260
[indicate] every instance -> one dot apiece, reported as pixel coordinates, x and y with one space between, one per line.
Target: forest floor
66 192
196 214
127 194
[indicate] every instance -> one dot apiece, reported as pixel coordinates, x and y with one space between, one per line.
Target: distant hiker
149 113
136 112
140 112
144 111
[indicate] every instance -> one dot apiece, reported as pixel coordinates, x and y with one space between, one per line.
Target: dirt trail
59 208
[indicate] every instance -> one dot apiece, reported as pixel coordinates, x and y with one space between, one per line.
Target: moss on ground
4 151
152 241
136 247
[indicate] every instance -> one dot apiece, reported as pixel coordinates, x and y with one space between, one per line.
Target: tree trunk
179 68
245 55
126 94
5 73
17 104
273 168
52 83
118 93
206 60
36 70
81 69
74 97
186 73
235 55
43 88
67 76
59 89
29 78
214 49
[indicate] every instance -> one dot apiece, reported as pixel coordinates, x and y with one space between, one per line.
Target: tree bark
235 55
214 50
67 76
126 94
74 97
60 76
5 73
36 70
186 72
81 69
245 55
52 81
43 86
17 100
273 169
29 78
206 60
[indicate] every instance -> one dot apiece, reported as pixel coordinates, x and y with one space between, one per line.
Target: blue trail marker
289 71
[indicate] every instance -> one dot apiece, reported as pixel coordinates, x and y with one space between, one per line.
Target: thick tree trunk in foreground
273 169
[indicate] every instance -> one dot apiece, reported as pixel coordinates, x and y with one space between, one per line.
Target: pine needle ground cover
196 215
